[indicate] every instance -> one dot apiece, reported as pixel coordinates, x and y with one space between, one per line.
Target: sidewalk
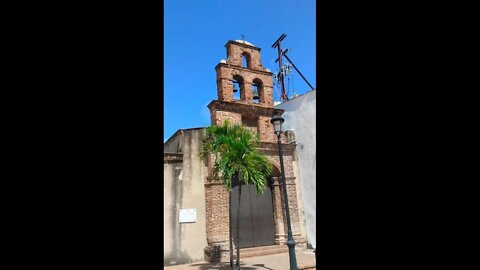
305 260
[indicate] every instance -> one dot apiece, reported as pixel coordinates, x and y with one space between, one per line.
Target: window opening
238 87
244 61
257 90
256 97
236 90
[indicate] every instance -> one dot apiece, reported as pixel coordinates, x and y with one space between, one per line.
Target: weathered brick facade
256 116
253 73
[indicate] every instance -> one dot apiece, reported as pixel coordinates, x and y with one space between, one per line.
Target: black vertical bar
290 242
230 227
283 96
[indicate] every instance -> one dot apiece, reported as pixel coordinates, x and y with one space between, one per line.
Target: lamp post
277 122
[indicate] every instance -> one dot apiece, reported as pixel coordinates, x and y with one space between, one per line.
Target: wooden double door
257 225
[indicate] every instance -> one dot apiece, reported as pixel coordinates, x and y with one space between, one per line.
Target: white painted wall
300 116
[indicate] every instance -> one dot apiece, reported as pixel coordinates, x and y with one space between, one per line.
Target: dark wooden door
257 226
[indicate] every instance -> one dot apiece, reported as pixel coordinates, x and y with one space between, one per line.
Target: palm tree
236 160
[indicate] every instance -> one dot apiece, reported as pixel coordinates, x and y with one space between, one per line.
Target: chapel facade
245 96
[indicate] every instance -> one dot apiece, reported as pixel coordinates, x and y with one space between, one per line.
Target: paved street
305 260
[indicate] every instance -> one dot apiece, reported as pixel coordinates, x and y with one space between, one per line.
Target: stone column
281 226
280 223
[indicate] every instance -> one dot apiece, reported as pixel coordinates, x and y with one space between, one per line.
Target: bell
235 90
255 95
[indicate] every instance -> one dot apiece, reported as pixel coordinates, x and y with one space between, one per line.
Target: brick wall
235 51
225 74
233 67
256 117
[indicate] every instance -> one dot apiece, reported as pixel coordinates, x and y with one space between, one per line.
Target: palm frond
234 151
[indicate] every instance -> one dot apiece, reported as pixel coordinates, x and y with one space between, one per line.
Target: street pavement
280 261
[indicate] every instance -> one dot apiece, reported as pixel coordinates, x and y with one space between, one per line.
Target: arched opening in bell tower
238 87
246 60
257 91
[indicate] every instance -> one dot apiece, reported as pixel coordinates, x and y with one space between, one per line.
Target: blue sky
195 32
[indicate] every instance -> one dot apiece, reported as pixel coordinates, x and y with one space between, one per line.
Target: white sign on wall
187 215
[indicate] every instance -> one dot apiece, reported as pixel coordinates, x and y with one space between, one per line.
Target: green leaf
234 150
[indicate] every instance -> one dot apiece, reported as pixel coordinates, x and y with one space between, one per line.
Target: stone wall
183 188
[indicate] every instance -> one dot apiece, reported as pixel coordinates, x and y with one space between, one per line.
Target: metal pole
277 44
290 242
230 228
298 71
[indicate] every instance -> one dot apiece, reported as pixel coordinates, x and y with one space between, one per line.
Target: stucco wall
184 189
300 116
173 144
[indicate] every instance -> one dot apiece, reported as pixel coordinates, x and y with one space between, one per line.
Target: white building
300 117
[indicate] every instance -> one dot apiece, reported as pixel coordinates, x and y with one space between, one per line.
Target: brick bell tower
253 109
255 114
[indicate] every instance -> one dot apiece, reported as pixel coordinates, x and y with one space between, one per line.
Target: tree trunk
238 222
230 228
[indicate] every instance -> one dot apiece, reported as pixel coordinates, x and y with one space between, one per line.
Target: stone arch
248 60
240 81
275 171
258 85
275 164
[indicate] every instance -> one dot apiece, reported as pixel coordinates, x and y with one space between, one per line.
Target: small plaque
187 215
